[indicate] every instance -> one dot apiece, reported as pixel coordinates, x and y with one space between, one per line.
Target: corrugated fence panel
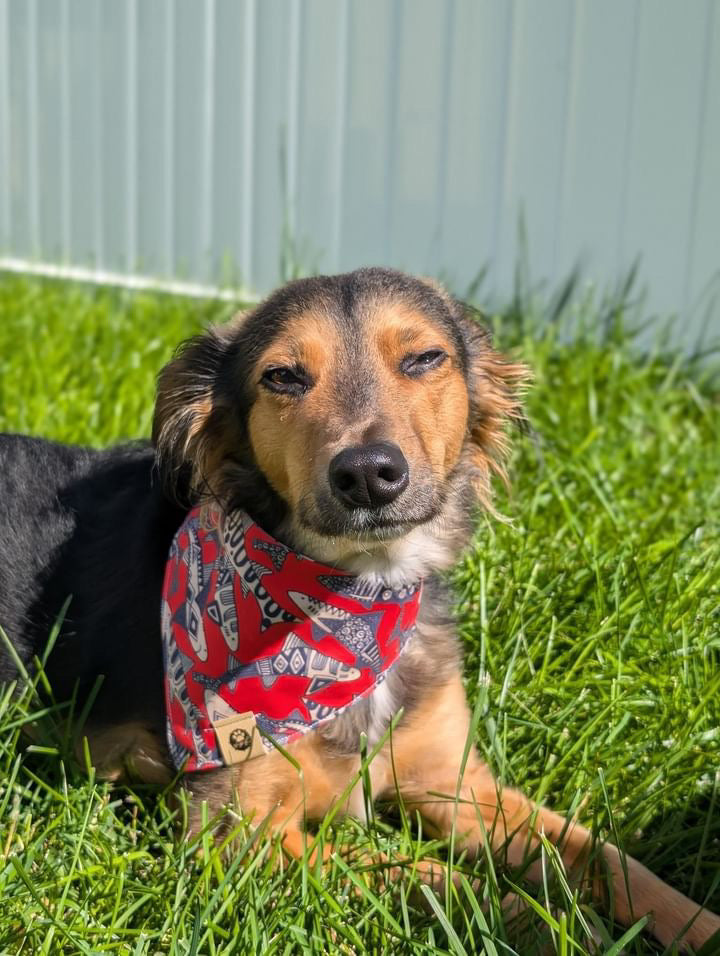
155 153
321 136
417 142
227 174
109 105
469 212
15 70
370 121
5 165
703 253
50 170
664 138
190 129
537 108
244 141
592 190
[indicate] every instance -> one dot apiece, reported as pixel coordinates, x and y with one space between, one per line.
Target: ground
590 619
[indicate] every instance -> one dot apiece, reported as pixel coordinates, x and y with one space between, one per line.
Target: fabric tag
238 738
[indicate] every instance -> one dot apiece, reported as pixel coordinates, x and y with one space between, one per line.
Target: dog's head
353 415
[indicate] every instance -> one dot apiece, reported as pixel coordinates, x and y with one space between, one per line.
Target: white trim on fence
137 283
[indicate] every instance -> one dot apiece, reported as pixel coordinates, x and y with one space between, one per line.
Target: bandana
263 644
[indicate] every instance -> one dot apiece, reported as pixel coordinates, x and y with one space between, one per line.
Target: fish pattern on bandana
249 625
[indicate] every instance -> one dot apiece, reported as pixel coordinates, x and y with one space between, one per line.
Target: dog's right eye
286 381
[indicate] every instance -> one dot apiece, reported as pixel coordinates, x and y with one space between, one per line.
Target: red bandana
259 638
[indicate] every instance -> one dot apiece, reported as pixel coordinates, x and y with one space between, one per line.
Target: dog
356 419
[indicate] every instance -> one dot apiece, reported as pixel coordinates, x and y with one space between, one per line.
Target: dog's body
356 418
93 527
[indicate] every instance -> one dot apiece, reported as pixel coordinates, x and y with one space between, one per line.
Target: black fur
96 526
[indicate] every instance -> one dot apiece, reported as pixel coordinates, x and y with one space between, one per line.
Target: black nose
369 476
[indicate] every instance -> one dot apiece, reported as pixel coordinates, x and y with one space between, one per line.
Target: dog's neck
396 562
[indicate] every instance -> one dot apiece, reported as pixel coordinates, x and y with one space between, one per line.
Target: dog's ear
496 388
191 417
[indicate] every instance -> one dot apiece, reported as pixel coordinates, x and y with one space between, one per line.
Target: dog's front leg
277 793
427 756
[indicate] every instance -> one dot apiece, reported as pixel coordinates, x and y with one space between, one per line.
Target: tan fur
421 766
175 409
293 443
428 764
426 416
496 389
441 423
495 401
126 750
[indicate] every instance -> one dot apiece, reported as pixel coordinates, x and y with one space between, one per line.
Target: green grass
591 625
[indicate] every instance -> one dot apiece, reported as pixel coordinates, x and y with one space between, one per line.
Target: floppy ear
496 386
191 417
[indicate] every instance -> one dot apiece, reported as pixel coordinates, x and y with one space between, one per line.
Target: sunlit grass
591 624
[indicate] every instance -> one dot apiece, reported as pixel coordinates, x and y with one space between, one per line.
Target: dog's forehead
351 307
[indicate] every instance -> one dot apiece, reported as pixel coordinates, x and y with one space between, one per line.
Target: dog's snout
369 476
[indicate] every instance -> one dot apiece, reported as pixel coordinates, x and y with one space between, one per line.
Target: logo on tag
238 738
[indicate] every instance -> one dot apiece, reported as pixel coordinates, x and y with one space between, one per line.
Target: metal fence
239 141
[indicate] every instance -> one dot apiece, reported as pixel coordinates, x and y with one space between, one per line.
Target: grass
591 625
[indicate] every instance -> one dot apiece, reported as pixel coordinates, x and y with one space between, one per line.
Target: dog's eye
288 381
415 365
